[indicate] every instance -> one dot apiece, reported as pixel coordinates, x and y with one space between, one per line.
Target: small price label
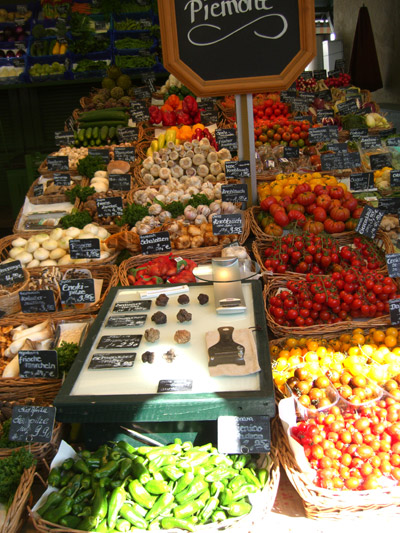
124 153
112 360
38 364
175 385
84 248
103 153
32 423
109 207
11 273
369 221
41 301
393 264
227 138
57 162
234 193
62 180
154 243
237 169
119 182
394 310
227 224
244 434
76 291
117 342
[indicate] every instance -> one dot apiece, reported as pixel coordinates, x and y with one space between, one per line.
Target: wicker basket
344 135
328 504
5 246
44 171
382 244
278 282
235 525
10 303
51 198
21 388
15 514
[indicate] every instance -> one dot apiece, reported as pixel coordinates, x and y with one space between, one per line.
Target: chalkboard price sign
11 273
299 104
324 113
100 152
237 169
291 152
127 134
306 74
119 182
227 224
175 385
287 97
371 141
64 138
141 93
347 108
118 342
319 74
393 141
244 434
394 310
358 133
57 162
132 305
154 243
38 190
124 153
112 360
340 160
62 180
362 181
393 265
234 193
41 301
139 111
32 423
325 95
126 321
337 147
109 207
378 161
395 178
386 133
369 221
38 364
209 117
77 291
227 138
340 65
316 135
307 97
84 248
389 205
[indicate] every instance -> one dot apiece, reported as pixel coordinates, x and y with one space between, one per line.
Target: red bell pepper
183 118
155 114
189 105
168 118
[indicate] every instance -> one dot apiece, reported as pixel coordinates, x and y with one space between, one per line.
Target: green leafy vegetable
66 353
353 121
77 219
4 433
79 192
11 469
89 165
175 208
132 214
199 199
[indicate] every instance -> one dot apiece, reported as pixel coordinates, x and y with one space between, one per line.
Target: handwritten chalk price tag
244 434
394 310
227 224
76 291
369 221
84 248
154 243
393 265
11 273
32 423
38 364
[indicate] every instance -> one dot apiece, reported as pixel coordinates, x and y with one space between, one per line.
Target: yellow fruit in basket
339 357
396 350
326 360
390 341
294 360
378 357
377 373
354 351
312 345
358 338
390 357
367 350
378 336
392 331
311 357
393 369
281 364
321 351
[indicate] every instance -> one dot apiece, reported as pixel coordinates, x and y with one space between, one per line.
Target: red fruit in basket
324 200
281 218
313 227
286 200
301 188
273 208
305 198
297 216
350 204
267 202
339 213
357 212
336 192
297 207
310 208
319 214
320 189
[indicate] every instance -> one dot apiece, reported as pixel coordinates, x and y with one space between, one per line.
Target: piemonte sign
237 46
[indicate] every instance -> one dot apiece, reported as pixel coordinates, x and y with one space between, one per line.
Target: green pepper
187 509
63 509
220 473
156 487
68 464
88 523
124 467
105 482
171 523
77 508
126 447
85 454
184 482
140 494
66 477
163 450
102 527
226 497
172 472
100 504
54 478
218 516
262 476
140 472
155 525
115 455
251 478
241 462
128 512
187 445
216 486
210 505
197 487
243 491
236 482
86 511
239 508
194 459
81 466
74 485
84 495
117 500
53 499
160 476
139 509
162 460
108 470
122 525
70 521
92 462
143 450
159 506
203 498
86 482
114 483
102 451
199 471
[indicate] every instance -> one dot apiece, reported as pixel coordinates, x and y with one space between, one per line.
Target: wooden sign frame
281 81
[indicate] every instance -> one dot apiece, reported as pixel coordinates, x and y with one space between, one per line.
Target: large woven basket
329 504
20 388
15 514
278 282
259 512
56 198
382 244
46 229
10 303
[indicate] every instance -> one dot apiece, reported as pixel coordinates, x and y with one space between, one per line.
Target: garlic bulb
155 209
200 219
190 212
203 210
164 216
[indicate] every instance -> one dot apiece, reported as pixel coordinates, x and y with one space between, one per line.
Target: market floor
288 516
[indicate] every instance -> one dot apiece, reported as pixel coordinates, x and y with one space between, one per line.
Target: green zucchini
88 133
111 132
102 114
95 132
98 141
92 142
104 123
104 133
81 135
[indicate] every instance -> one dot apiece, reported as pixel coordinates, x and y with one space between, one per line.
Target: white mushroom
174 155
155 170
176 172
199 159
185 162
165 173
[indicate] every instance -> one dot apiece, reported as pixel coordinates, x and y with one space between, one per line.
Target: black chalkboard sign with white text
393 141
63 180
109 207
337 147
38 364
393 265
38 189
104 360
372 141
394 310
227 224
77 291
316 135
103 153
41 301
126 321
324 113
244 434
236 192
369 221
237 169
395 178
358 133
32 423
117 342
347 108
174 385
378 161
389 205
291 152
155 243
84 248
64 138
127 134
57 162
124 153
119 182
132 306
319 74
227 138
11 273
139 111
362 181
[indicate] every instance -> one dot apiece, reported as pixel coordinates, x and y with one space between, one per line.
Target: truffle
152 335
184 316
182 336
183 299
203 298
162 300
159 318
148 357
169 356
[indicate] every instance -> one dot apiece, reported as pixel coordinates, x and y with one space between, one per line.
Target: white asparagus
23 332
12 369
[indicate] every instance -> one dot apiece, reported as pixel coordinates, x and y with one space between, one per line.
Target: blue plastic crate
45 60
150 18
92 73
31 6
13 62
123 34
92 55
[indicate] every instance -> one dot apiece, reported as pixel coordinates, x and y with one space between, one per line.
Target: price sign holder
11 273
244 434
38 364
84 248
369 221
394 310
32 423
154 243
